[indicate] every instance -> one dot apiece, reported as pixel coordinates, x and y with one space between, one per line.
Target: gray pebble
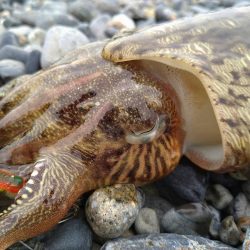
58 41
165 241
52 6
14 53
73 234
191 219
33 62
112 210
160 206
229 232
47 19
107 6
99 25
219 196
241 206
84 11
8 38
11 68
147 222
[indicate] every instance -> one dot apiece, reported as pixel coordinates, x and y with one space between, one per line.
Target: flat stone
58 41
112 210
11 68
165 241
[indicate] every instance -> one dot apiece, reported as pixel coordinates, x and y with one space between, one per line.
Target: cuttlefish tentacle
44 200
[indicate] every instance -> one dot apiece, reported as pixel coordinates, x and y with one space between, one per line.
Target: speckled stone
219 196
147 222
165 241
112 210
229 232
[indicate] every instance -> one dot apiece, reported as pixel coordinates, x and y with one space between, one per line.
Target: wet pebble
112 210
58 41
188 219
229 232
219 196
11 68
187 183
147 222
165 241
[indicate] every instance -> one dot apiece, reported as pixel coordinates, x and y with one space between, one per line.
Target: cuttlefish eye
150 135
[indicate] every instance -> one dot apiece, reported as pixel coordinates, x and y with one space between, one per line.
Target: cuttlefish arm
99 125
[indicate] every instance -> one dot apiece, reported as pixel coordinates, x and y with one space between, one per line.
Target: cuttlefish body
174 89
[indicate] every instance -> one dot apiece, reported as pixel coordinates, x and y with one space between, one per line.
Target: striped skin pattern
66 129
216 49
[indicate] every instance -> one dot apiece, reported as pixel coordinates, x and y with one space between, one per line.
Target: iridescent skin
79 125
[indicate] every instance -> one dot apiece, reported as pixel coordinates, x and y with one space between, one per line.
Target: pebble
11 68
112 210
84 11
165 241
229 232
73 234
187 183
33 62
107 6
147 222
219 196
47 19
191 219
52 6
58 41
99 25
37 36
215 224
164 14
14 53
160 206
121 21
8 38
241 206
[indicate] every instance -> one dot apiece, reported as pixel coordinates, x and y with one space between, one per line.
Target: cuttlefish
124 111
